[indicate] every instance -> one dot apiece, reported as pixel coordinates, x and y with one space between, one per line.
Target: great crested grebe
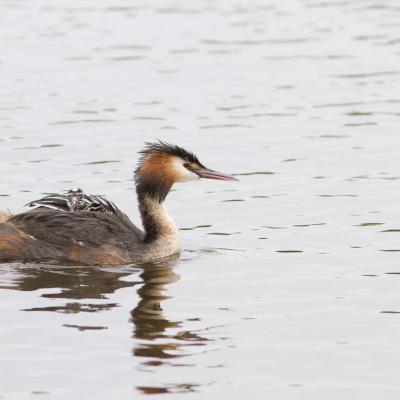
80 228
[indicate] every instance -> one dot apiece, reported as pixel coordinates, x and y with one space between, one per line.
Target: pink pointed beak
210 174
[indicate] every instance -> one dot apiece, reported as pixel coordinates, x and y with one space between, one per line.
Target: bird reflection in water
82 284
159 340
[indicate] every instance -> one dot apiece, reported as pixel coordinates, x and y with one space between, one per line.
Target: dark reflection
85 283
180 388
81 284
147 317
159 339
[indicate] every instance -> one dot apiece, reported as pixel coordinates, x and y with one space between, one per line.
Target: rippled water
288 285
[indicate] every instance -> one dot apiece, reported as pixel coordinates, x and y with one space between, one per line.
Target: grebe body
78 228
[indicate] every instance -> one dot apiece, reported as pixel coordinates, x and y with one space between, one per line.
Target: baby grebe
80 228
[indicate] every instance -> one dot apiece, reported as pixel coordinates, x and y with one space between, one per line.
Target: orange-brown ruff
83 229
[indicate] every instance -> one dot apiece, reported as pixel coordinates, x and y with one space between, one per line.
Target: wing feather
76 201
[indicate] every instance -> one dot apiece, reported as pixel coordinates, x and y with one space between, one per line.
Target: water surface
288 284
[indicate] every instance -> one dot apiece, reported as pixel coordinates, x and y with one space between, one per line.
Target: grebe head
162 164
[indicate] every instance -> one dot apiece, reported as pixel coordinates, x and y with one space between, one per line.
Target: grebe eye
187 165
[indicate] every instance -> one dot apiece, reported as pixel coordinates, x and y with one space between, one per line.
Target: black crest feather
167 148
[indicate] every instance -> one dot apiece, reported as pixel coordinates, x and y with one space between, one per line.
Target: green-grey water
288 283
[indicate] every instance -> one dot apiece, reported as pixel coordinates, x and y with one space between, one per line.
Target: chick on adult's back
80 228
